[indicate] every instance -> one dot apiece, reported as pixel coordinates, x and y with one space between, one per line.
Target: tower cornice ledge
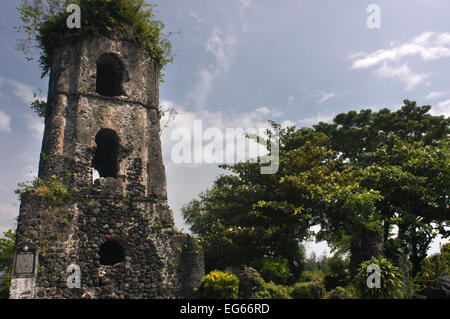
106 98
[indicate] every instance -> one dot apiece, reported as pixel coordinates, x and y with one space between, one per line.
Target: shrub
263 294
276 270
341 293
219 285
391 280
313 275
308 290
274 291
52 191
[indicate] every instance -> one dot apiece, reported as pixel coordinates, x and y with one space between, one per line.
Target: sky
240 63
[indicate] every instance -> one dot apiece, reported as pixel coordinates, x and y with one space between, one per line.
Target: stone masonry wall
130 209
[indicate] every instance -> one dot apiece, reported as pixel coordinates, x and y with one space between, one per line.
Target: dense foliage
44 26
391 280
341 293
219 284
276 270
308 290
433 267
377 183
274 291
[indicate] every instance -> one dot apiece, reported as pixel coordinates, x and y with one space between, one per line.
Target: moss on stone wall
52 191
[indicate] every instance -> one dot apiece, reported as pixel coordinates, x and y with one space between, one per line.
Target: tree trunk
365 244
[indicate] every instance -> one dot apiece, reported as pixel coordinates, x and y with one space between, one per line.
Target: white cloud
403 73
8 214
5 122
263 110
442 108
434 95
316 119
185 119
196 17
36 125
428 46
221 44
245 4
443 39
291 100
203 87
19 89
276 113
323 96
30 172
287 123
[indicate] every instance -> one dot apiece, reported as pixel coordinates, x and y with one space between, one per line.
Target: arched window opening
111 252
110 74
105 158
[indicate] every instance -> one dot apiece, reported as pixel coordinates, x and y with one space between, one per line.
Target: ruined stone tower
117 232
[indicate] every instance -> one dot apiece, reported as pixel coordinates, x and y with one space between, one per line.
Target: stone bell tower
115 238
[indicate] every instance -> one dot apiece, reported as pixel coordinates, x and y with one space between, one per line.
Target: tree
356 178
355 134
247 216
370 140
414 181
6 261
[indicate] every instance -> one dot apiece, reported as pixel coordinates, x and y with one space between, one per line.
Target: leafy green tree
402 155
414 180
357 133
356 178
6 261
248 216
